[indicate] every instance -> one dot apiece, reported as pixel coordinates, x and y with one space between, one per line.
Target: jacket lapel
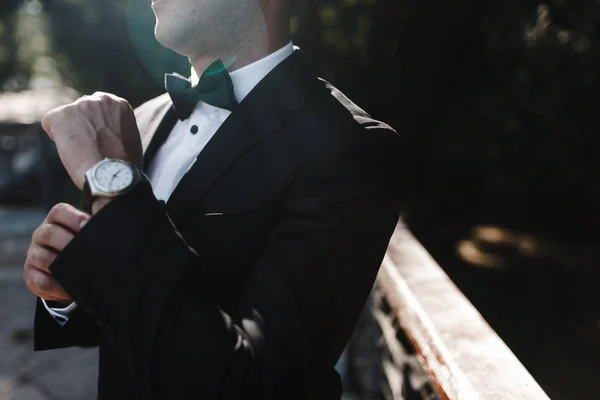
255 119
160 136
155 122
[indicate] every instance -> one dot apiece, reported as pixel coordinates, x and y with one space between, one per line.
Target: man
239 270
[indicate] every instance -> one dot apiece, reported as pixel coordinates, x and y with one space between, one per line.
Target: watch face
113 176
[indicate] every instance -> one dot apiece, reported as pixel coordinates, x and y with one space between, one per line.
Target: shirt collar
246 78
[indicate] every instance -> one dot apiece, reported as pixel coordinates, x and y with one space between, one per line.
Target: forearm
134 262
147 291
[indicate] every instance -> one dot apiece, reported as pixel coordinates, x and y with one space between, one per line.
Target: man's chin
164 38
170 42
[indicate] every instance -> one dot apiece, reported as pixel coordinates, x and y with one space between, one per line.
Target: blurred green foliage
7 46
499 100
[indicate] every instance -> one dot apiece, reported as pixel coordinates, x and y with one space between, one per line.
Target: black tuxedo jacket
248 282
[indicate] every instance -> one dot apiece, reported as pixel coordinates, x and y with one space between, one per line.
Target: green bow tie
214 88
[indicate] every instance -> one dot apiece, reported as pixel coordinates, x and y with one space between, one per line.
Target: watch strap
88 198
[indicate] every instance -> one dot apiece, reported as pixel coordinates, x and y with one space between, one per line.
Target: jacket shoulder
360 116
334 122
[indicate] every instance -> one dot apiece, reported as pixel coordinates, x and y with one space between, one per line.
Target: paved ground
26 375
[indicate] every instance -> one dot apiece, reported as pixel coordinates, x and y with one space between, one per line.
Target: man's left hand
91 129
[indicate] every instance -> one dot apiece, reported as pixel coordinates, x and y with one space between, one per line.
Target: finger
47 125
40 257
68 217
53 236
44 285
106 95
48 119
103 96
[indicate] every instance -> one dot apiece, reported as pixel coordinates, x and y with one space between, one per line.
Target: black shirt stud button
194 129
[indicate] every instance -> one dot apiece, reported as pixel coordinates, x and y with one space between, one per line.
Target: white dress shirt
188 138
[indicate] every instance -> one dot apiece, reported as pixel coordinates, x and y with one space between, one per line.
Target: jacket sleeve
148 290
49 334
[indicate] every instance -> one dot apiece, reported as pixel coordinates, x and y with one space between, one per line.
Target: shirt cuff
60 315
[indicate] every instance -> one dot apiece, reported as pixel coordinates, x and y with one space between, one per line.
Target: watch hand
114 176
118 172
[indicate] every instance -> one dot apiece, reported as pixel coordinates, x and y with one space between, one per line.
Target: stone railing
422 339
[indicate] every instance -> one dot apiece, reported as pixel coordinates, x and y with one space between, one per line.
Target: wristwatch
109 178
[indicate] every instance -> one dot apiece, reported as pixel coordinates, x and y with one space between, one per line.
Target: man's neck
245 55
